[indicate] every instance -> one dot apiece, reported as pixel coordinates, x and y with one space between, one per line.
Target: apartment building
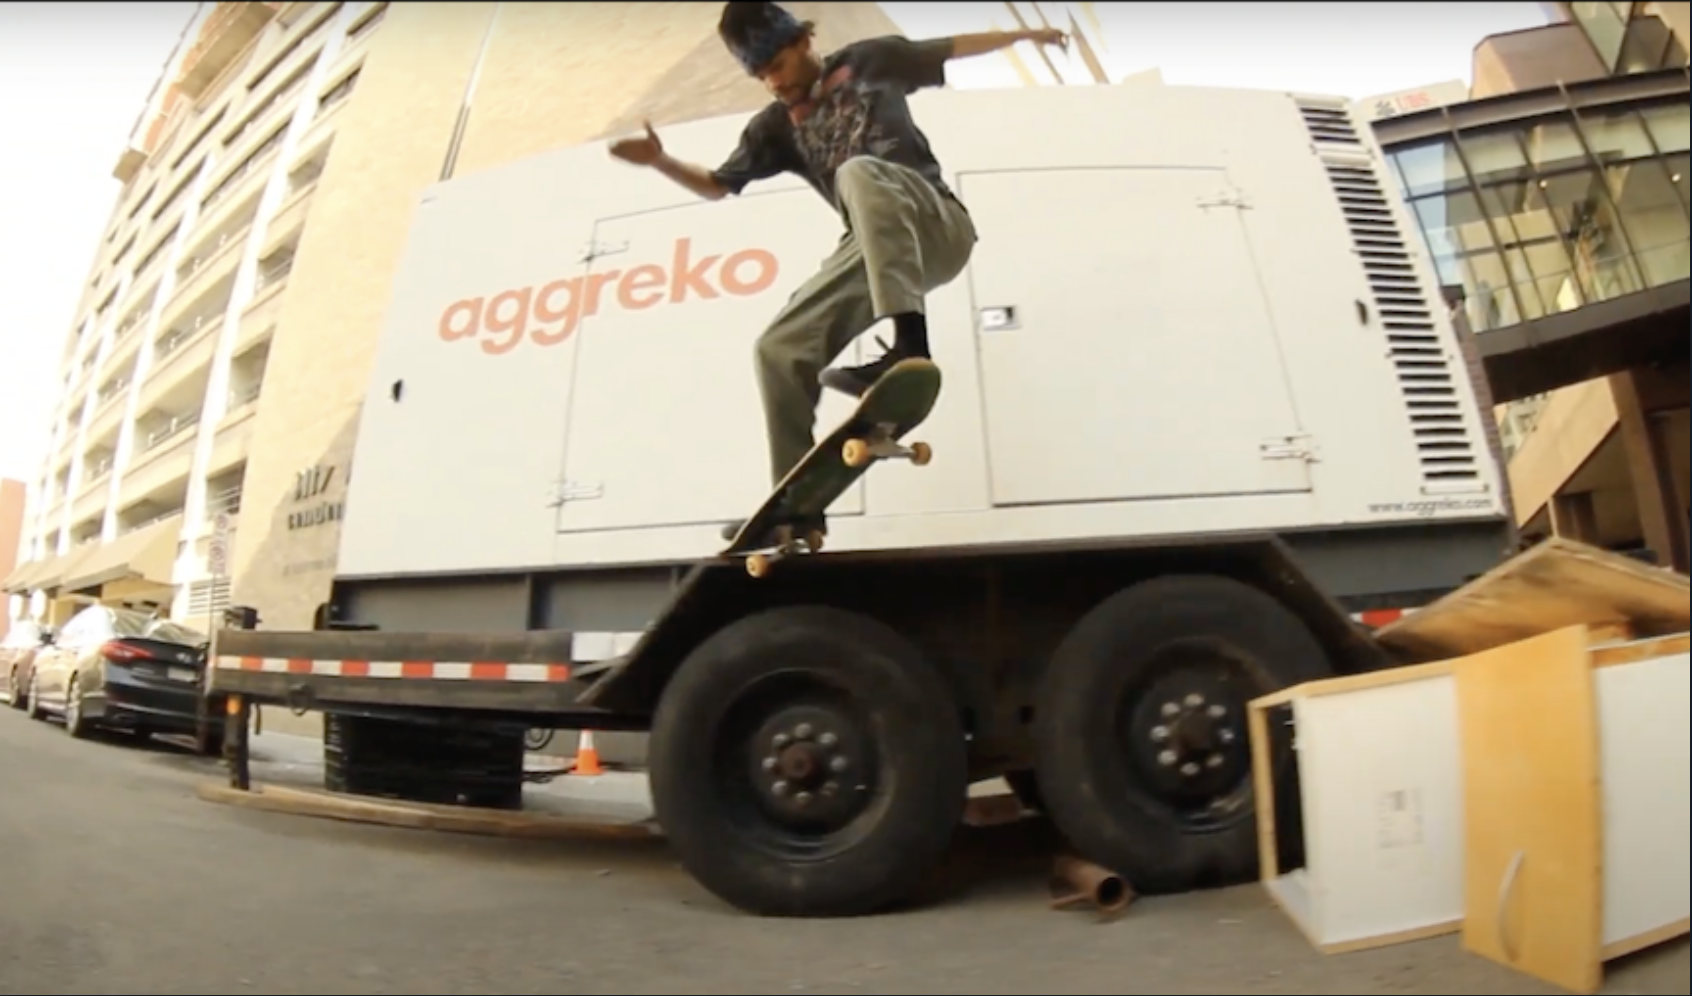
12 496
204 432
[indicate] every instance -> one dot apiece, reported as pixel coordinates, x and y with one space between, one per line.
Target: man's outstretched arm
648 150
967 46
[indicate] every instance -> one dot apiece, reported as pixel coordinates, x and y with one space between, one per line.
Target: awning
17 582
46 574
147 554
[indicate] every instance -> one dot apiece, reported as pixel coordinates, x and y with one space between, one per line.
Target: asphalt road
117 879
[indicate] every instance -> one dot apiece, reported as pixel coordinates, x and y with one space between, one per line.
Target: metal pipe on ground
1076 882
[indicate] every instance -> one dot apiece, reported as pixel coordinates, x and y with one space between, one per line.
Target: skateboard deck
898 403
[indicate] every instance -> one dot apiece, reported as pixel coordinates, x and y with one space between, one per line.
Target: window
1617 135
1654 215
1431 168
1578 201
1667 124
131 624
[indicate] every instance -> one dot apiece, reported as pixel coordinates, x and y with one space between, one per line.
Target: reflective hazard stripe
433 670
585 648
1376 618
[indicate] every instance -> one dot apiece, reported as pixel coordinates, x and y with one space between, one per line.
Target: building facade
211 385
1555 207
12 507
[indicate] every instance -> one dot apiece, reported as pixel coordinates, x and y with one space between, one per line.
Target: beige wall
1531 59
11 537
553 75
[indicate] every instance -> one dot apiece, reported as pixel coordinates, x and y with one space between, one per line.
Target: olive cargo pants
903 239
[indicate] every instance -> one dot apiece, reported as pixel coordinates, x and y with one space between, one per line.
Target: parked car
120 669
17 657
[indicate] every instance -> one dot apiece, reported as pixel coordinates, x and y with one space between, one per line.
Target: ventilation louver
1421 360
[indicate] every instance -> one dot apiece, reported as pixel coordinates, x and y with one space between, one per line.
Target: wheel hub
811 766
1185 737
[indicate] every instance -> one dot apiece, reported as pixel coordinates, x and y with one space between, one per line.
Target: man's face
792 73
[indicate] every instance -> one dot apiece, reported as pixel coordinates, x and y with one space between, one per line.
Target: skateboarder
842 123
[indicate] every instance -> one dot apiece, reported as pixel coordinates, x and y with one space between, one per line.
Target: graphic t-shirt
860 110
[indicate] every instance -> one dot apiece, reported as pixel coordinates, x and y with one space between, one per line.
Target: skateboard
895 405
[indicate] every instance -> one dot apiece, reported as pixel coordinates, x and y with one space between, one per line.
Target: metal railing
227 501
240 397
170 430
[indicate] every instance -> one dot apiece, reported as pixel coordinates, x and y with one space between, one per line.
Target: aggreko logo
547 314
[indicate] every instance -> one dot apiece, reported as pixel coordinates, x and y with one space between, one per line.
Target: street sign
217 555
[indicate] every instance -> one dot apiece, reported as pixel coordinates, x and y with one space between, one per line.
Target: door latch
598 250
1289 448
564 492
1227 197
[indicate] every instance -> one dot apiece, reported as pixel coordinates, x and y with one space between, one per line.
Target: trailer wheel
1141 744
808 762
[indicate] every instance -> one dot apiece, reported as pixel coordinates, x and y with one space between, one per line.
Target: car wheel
33 707
75 724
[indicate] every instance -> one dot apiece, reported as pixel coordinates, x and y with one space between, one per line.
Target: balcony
178 381
91 493
290 217
108 407
164 453
186 321
213 259
242 178
223 37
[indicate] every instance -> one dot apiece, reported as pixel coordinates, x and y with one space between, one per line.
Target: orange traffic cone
587 756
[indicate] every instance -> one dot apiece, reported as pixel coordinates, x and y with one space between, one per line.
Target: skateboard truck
880 445
787 543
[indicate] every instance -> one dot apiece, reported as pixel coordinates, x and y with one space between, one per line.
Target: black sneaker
855 381
800 528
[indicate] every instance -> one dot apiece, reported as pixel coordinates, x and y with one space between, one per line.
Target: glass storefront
1539 217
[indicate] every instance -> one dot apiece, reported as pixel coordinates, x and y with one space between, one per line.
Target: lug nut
1167 758
1225 735
770 763
829 788
779 788
803 798
1170 709
802 731
1160 734
828 739
1213 761
1194 700
837 764
781 740
1189 769
1217 712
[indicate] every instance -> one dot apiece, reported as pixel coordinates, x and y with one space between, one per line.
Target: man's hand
968 46
642 150
1048 36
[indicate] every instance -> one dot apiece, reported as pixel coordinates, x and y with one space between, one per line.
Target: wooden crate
1529 788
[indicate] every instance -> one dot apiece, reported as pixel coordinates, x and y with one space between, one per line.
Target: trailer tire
1166 800
816 689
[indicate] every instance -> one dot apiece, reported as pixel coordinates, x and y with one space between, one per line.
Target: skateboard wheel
757 565
814 540
856 453
921 453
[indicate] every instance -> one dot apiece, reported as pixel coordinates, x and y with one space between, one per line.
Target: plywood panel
1647 797
1532 884
1556 584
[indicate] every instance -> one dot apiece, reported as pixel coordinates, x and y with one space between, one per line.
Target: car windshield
139 625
